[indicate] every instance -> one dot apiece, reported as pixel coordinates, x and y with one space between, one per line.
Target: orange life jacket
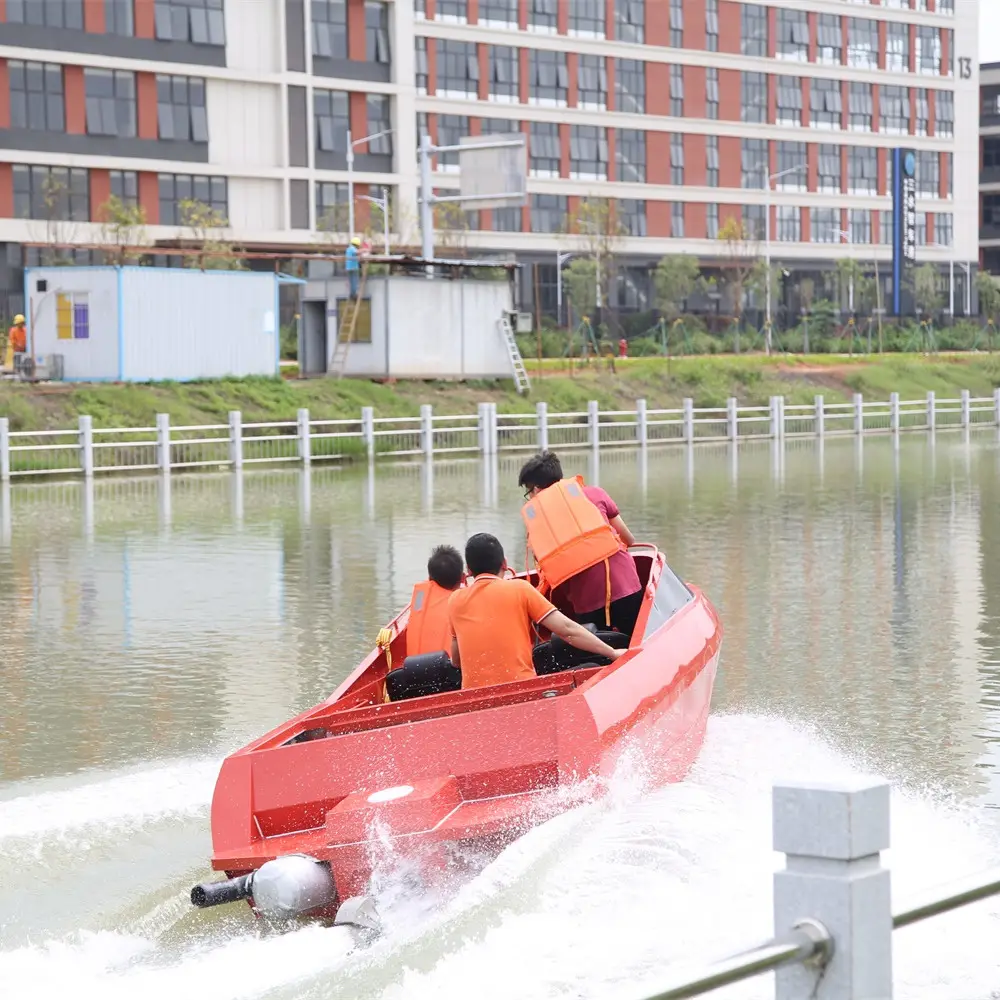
427 629
568 534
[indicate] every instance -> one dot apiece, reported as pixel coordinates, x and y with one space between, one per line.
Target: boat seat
428 673
555 655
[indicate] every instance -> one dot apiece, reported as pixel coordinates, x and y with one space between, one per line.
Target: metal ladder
521 381
339 360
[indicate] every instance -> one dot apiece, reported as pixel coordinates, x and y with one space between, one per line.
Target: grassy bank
709 380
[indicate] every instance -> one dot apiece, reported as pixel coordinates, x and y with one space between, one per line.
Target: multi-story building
989 177
677 109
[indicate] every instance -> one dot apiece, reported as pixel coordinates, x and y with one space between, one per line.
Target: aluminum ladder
339 360
521 381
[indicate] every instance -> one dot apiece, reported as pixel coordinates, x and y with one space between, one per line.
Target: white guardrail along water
87 450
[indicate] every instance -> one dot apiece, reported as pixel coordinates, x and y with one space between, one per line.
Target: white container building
146 324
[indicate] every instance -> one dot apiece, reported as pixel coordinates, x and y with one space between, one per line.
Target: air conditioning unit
46 367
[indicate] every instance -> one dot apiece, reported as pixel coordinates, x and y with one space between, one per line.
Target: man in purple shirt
585 594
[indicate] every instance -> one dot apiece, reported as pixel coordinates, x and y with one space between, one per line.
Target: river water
149 628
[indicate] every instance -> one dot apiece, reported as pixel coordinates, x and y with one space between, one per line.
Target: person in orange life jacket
605 591
427 629
492 621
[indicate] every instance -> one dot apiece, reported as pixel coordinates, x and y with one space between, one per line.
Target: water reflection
859 582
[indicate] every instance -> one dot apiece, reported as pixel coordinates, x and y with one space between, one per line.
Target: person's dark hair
541 470
484 554
445 567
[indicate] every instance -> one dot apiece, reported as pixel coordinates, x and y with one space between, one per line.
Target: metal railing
86 450
832 909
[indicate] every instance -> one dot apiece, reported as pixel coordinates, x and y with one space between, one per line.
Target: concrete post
831 835
368 430
4 450
494 430
931 410
820 403
305 438
894 412
641 423
688 420
163 441
484 428
594 424
774 414
87 445
427 430
859 413
732 419
542 420
996 406
781 416
236 439
966 408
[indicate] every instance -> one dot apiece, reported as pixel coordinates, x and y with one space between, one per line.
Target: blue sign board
904 222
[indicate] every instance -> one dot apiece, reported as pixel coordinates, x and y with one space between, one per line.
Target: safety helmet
356 241
18 320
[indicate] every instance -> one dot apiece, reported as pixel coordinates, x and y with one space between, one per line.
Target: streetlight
846 236
383 203
350 170
561 259
768 178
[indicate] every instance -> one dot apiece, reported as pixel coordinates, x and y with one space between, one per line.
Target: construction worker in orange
17 341
427 628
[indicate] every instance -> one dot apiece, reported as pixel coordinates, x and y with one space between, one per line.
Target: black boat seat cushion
429 673
556 654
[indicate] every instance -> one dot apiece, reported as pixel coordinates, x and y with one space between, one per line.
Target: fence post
641 424
931 410
368 430
484 428
831 836
966 408
996 406
859 413
494 435
236 439
87 445
427 430
732 418
688 420
4 450
163 441
781 416
894 412
594 424
305 438
820 403
542 419
773 412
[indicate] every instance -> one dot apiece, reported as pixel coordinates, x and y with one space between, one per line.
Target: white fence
87 450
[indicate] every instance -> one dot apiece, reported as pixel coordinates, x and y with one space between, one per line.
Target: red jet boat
301 816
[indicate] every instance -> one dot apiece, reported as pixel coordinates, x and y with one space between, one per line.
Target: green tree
676 278
926 289
207 227
988 290
580 285
741 257
849 273
124 226
596 225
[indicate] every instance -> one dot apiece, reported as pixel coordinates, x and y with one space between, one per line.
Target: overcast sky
989 31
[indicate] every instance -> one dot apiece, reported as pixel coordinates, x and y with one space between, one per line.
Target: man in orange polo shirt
491 621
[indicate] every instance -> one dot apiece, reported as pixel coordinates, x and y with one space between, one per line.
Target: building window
753 30
377 32
72 316
862 170
119 18
199 21
789 219
332 214
36 96
922 229
451 129
677 24
588 152
507 220
894 109
51 193
860 108
712 222
828 161
180 108
545 152
379 120
829 38
592 83
949 159
503 73
329 29
923 113
711 93
712 160
125 187
944 228
457 68
332 120
943 6
928 50
712 25
110 102
753 160
862 43
859 225
991 152
632 215
548 78
944 113
630 21
789 100
791 157
677 220
991 209
897 47
928 174
176 189
677 160
630 155
548 213
630 86
498 14
499 126
825 224
793 35
67 14
825 105
753 222
586 18
884 227
422 72
753 93
677 91
452 11
543 15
